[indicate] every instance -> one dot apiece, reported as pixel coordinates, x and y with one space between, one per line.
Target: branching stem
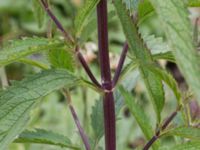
120 64
69 38
56 21
163 127
76 120
108 100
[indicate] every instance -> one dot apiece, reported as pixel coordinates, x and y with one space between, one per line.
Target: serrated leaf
62 58
156 44
185 132
41 136
38 12
21 48
17 101
139 115
83 14
168 79
174 17
183 146
145 8
143 56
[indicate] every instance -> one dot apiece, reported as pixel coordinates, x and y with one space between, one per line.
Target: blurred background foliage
24 18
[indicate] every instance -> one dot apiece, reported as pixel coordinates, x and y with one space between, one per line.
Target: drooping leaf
62 58
186 132
174 17
21 48
139 115
38 12
183 146
168 79
41 136
17 101
139 50
83 14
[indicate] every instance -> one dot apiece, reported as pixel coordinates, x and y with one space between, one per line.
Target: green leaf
186 132
138 49
166 56
174 17
17 101
97 121
21 48
38 12
193 3
183 146
168 79
156 44
145 8
83 14
159 49
33 63
41 136
62 58
132 5
139 115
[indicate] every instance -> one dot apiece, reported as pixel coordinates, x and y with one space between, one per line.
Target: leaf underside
174 17
139 50
17 101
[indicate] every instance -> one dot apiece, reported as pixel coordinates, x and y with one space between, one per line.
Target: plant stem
69 38
86 67
120 64
76 120
163 127
58 24
108 101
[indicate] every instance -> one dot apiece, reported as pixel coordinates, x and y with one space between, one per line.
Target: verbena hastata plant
17 100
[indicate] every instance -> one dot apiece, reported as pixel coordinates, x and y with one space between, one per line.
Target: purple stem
108 100
68 37
120 64
76 120
81 131
87 69
58 24
163 127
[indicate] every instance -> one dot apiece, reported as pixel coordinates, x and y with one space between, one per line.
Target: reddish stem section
108 101
55 20
120 64
81 131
